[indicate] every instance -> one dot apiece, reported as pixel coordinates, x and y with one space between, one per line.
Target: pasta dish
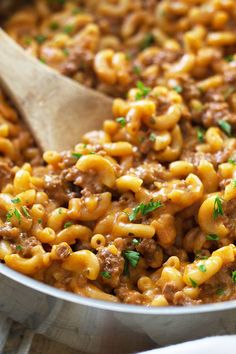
142 211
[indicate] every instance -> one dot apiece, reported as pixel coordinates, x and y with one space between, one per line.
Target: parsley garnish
40 221
40 38
143 91
66 52
148 40
16 213
212 237
16 200
199 255
200 135
218 209
25 211
234 276
229 58
135 241
234 183
54 26
232 161
76 154
121 121
42 60
68 29
152 137
228 92
137 70
60 211
193 283
202 268
178 88
132 257
28 41
220 291
76 11
225 126
68 224
19 247
106 275
144 209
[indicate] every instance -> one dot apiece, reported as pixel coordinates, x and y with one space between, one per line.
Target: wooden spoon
57 110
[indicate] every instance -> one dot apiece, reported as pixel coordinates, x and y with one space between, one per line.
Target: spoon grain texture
57 110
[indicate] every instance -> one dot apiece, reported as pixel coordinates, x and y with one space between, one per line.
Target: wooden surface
15 339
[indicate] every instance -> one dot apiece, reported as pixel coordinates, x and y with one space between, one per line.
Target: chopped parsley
144 209
77 155
25 211
234 276
68 224
19 248
66 52
16 213
193 283
16 200
225 126
143 91
132 257
136 241
68 29
234 183
178 88
220 291
218 208
199 255
40 221
60 211
232 161
76 11
137 70
42 60
148 40
152 137
202 268
28 41
212 237
200 135
228 92
229 58
106 275
40 38
121 121
54 25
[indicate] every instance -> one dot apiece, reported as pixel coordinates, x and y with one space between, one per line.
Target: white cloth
209 345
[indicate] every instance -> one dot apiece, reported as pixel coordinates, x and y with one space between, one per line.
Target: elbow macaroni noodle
143 210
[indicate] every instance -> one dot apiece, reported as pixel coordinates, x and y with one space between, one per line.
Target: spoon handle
57 110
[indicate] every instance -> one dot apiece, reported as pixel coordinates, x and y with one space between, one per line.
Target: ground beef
169 291
88 181
7 231
5 174
149 172
196 157
56 189
229 217
181 299
27 244
214 112
147 247
129 296
113 264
